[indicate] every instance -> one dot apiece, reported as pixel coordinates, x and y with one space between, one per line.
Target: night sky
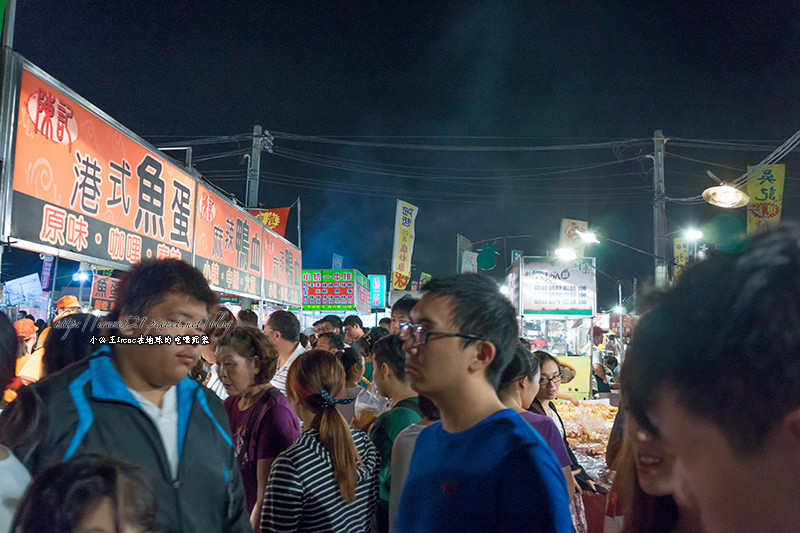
450 106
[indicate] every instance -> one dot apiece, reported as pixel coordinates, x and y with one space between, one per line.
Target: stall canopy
81 186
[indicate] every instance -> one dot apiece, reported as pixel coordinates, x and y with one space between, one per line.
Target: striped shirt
302 494
279 379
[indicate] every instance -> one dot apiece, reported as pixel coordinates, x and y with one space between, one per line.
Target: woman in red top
263 422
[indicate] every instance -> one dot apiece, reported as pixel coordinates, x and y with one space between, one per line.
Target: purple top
545 426
262 431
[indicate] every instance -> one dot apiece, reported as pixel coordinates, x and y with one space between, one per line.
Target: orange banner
273 218
228 244
104 290
282 270
81 184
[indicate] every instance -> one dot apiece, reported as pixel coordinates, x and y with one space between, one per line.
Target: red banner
282 270
274 218
104 291
228 245
82 185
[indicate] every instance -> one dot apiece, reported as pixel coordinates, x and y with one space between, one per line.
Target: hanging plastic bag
369 405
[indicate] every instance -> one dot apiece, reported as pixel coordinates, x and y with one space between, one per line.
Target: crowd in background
263 428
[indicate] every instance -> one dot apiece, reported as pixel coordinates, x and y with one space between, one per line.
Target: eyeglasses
420 333
544 380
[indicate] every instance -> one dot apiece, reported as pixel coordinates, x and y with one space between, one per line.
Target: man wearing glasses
482 468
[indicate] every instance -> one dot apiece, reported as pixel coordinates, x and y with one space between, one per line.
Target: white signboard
553 287
23 289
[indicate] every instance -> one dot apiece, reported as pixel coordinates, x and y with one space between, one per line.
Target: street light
565 254
723 195
81 277
693 235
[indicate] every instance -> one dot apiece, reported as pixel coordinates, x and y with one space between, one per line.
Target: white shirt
166 420
402 450
14 479
215 384
279 379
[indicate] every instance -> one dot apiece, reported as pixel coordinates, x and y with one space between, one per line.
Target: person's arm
277 430
283 498
569 479
262 473
568 397
598 371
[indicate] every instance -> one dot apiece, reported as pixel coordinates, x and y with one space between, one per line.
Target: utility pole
254 168
659 211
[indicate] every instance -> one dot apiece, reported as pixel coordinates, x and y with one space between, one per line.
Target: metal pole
52 288
9 16
299 241
8 24
659 211
254 169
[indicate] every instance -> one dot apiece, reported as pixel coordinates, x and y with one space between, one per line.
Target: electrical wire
450 148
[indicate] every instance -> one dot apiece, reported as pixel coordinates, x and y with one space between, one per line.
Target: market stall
555 301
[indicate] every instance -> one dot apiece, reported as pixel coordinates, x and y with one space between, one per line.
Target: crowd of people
256 430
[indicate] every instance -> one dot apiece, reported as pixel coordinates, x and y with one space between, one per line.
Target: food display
588 426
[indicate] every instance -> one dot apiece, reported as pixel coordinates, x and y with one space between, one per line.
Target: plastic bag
369 405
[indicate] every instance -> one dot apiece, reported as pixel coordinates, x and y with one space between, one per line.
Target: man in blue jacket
133 400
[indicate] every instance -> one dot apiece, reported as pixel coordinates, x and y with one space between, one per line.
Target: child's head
89 492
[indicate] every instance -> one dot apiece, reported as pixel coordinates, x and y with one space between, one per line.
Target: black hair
247 317
250 342
68 341
286 323
147 283
427 408
335 341
60 496
522 364
478 308
699 341
303 339
364 344
333 320
389 350
8 351
353 320
405 304
350 357
384 320
611 361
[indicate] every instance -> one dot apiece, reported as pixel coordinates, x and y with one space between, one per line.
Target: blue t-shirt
498 475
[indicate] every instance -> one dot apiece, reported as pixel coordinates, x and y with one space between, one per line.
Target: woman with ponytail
328 479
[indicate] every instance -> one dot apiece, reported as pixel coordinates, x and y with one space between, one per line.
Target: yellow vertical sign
403 247
766 196
680 257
